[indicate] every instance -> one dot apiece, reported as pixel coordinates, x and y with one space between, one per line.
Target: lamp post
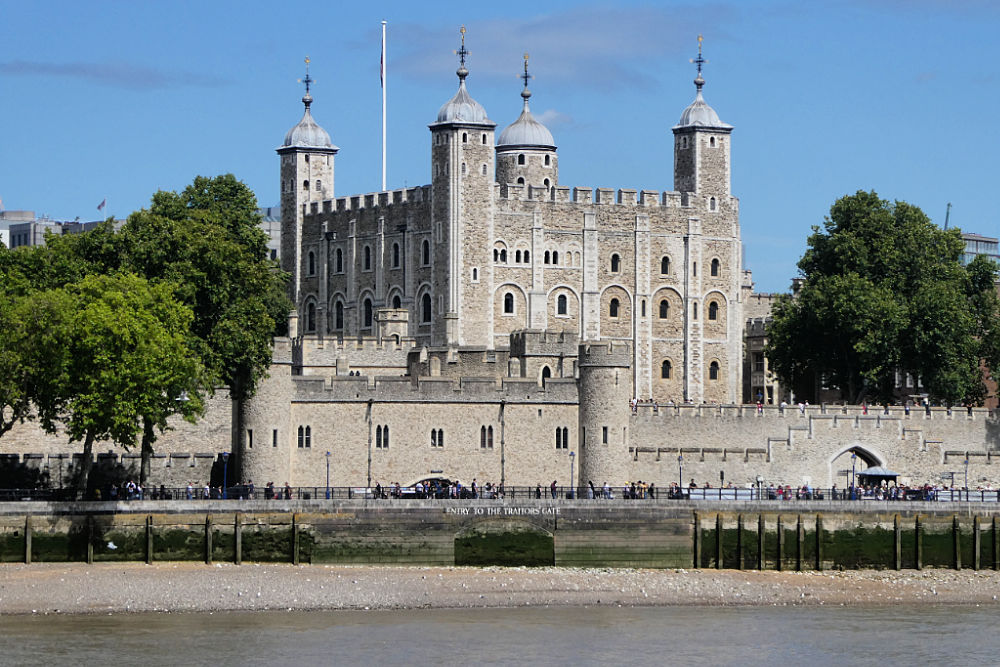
854 459
572 458
760 487
225 475
328 475
680 474
503 453
966 477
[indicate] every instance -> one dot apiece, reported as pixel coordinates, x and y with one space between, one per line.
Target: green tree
207 240
116 354
884 292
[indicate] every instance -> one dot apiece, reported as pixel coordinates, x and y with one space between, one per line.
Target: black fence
457 493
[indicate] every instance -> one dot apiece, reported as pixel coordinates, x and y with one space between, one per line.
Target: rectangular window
274 438
604 435
250 438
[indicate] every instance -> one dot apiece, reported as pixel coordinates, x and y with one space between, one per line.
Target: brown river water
612 636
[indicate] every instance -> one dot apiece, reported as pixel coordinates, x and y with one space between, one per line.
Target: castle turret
701 145
306 176
605 387
462 222
526 153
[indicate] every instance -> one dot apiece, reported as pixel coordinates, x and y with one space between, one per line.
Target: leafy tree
117 355
884 292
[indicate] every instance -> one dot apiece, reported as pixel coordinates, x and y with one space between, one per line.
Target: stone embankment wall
679 534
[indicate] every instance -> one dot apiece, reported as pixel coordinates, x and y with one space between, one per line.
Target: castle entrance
506 542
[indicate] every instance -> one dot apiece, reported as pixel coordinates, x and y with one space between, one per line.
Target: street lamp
680 474
854 459
572 457
966 477
225 475
328 475
760 487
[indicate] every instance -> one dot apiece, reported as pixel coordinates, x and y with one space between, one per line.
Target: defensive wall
807 535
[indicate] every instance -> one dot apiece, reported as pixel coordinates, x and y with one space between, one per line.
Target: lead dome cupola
699 113
462 108
526 130
307 133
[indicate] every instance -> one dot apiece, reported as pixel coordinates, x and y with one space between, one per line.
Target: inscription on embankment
503 511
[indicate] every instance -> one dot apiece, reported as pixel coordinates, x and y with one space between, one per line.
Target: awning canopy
877 471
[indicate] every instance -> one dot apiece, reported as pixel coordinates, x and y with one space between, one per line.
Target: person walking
553 488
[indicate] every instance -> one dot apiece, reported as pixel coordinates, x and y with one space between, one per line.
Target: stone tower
702 176
461 220
605 387
526 153
307 157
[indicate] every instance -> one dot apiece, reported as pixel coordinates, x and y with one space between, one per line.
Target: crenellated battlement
612 353
756 326
356 389
564 194
858 416
401 197
528 342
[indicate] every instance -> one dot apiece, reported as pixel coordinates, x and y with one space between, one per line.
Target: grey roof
526 131
699 114
462 108
307 133
878 471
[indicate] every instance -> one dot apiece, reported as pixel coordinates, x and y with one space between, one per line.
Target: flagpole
383 106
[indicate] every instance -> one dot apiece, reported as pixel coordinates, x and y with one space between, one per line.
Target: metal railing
513 493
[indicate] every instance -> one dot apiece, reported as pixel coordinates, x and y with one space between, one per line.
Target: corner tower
526 153
461 222
701 145
306 176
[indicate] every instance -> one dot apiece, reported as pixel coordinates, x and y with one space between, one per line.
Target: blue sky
119 99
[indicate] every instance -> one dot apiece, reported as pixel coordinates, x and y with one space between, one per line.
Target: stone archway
505 542
842 466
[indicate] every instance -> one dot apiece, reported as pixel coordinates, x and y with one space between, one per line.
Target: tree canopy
885 295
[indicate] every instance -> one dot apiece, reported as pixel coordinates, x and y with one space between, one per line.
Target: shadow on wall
993 434
15 474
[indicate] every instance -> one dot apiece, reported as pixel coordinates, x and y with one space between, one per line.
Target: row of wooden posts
209 529
800 542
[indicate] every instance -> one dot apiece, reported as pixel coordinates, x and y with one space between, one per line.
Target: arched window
508 303
555 256
305 185
475 275
312 263
465 137
616 263
520 180
558 438
482 437
340 261
546 182
694 310
613 310
711 142
548 161
395 255
715 268
302 437
425 253
496 254
397 302
517 256
503 255
425 308
546 373
484 139
520 158
665 369
378 437
713 370
368 258
308 436
385 437
484 167
319 185
664 309
713 311
665 266
311 317
368 313
338 315
463 169
561 305
547 257
526 256
711 204
489 437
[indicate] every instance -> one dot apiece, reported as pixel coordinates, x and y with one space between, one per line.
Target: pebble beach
117 588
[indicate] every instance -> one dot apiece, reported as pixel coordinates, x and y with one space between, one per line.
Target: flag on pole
100 207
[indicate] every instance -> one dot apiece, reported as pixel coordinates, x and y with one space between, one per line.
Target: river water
541 636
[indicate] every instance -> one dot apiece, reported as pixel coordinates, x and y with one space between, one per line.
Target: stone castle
496 325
